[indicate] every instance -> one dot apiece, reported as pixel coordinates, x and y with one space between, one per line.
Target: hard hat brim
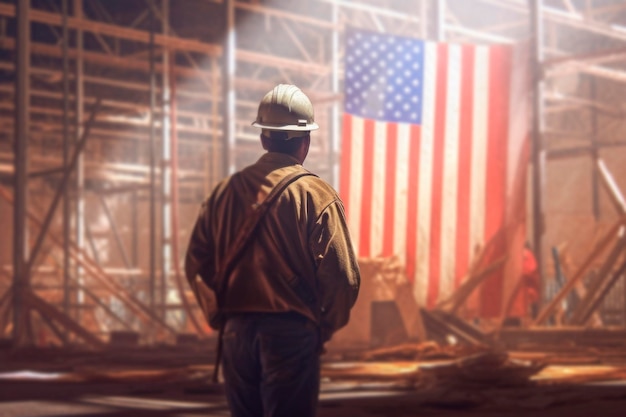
299 128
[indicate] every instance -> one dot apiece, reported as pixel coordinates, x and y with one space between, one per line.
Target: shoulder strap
249 227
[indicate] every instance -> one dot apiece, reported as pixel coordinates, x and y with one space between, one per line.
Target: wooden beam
611 186
45 309
598 57
95 271
599 248
601 284
169 42
115 31
282 14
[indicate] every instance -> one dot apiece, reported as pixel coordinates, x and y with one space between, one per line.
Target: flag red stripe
464 164
412 193
437 184
346 166
390 188
499 75
368 176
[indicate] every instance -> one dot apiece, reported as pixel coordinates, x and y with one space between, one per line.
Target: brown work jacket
300 258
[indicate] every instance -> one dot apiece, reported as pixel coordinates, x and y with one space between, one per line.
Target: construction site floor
175 383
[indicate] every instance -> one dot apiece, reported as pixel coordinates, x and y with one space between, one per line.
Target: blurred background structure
118 117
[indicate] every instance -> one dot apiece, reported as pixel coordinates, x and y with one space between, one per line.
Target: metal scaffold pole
79 108
228 87
166 198
333 145
423 13
21 278
537 129
438 28
66 154
152 152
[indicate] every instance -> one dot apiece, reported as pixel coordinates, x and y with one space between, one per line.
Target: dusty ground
103 400
174 383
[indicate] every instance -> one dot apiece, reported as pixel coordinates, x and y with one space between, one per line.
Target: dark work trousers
271 365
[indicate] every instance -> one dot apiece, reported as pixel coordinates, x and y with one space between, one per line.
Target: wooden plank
600 285
473 277
115 31
441 328
600 247
5 309
611 186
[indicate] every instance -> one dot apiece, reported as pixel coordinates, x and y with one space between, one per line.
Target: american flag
433 159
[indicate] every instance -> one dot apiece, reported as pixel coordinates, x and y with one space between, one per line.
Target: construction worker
293 283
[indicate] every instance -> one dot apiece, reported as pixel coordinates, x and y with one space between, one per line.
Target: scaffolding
126 114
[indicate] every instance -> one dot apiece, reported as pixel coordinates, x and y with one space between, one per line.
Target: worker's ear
303 151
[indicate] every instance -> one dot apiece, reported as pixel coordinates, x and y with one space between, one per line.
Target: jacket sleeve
338 276
200 257
200 265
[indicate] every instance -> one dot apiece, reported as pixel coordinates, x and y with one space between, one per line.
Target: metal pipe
333 143
92 245
152 141
423 11
116 234
595 183
612 187
66 155
438 28
228 87
166 163
46 172
21 276
537 129
134 246
174 198
80 232
212 156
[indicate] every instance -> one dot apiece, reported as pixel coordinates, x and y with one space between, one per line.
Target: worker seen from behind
272 244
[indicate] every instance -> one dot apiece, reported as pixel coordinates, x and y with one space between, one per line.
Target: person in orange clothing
531 282
524 301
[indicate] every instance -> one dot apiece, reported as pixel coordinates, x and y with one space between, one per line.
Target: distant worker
285 281
532 282
523 303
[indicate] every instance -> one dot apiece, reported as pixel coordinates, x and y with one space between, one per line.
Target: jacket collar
278 159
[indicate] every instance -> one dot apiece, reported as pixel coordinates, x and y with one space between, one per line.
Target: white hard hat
286 108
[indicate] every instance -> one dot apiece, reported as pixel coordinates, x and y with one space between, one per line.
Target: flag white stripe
420 288
402 189
479 149
450 173
378 188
